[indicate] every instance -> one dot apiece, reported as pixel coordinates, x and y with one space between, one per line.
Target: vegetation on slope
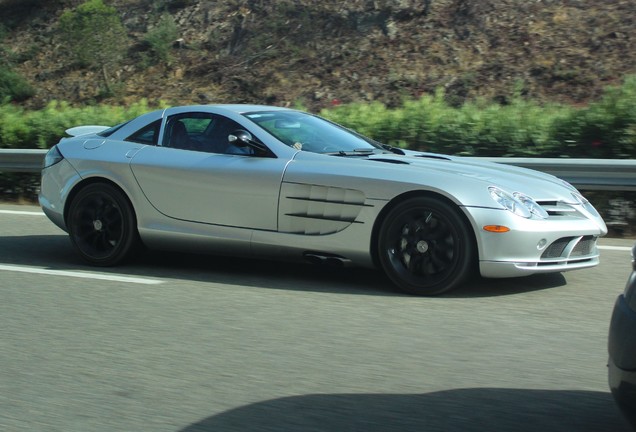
603 129
480 77
285 52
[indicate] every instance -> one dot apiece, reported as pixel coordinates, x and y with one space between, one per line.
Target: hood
536 184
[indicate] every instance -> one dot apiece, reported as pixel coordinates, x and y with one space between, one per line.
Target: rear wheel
102 224
425 246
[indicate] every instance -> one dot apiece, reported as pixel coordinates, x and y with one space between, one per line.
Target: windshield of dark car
312 133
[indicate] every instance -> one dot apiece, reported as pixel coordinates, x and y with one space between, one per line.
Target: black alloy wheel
425 246
102 224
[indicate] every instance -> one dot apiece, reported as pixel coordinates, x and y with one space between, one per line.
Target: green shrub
372 120
162 37
44 128
475 128
14 130
604 129
13 86
95 36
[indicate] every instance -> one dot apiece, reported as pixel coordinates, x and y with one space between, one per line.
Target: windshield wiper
356 152
392 149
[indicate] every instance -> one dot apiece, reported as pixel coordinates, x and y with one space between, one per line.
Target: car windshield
312 133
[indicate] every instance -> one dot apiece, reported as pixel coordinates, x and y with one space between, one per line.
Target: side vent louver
318 210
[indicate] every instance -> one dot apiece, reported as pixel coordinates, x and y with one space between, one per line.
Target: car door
186 179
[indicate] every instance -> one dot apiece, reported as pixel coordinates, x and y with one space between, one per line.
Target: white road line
78 274
616 248
19 212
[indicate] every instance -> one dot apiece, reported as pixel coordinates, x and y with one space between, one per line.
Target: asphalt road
200 343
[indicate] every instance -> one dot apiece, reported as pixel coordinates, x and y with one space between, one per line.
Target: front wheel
425 246
102 224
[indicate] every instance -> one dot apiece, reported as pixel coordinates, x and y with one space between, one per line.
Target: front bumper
534 246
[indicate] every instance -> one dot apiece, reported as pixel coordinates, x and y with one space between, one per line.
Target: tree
13 86
95 36
162 37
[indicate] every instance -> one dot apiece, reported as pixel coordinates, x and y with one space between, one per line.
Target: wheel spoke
428 267
425 229
438 260
100 242
90 237
110 214
414 265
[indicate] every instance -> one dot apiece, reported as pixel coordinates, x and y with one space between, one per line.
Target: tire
425 246
102 225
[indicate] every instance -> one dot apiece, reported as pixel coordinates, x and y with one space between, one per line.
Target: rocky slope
320 53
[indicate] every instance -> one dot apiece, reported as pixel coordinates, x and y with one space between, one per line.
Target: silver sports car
248 180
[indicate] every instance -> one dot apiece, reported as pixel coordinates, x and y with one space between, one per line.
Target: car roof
234 108
229 110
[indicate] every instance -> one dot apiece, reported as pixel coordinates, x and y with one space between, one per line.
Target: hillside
286 52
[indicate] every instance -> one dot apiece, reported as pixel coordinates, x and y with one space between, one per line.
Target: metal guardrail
21 160
585 174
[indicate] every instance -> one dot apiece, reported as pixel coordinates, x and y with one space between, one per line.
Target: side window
202 132
196 126
147 135
185 131
217 136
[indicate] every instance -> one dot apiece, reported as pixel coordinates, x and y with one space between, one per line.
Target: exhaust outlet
329 260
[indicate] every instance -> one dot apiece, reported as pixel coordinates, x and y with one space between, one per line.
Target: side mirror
242 138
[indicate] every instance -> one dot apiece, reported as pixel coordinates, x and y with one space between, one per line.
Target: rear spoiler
86 130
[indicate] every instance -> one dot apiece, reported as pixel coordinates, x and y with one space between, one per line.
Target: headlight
509 202
531 205
580 199
518 203
52 157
